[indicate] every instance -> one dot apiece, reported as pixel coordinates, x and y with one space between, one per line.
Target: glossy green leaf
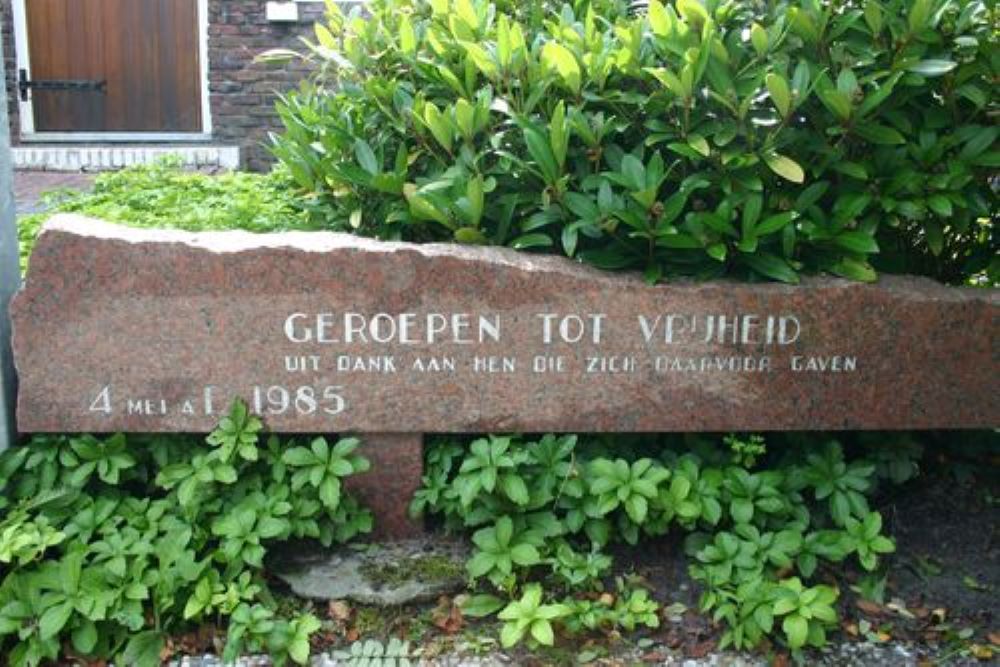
699 144
483 60
535 240
777 87
693 12
771 266
774 223
855 270
143 649
407 36
471 235
678 241
933 67
366 157
759 39
439 126
717 251
541 152
940 205
858 242
751 214
54 619
482 605
875 98
785 167
796 630
541 630
465 11
837 102
559 58
659 20
979 142
880 134
873 16
84 637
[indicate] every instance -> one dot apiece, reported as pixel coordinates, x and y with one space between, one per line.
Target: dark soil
947 532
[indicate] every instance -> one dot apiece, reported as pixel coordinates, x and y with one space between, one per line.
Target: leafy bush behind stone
757 139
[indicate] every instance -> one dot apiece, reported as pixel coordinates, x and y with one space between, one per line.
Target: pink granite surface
397 467
138 330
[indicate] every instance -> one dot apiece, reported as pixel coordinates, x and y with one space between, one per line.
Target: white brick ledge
104 158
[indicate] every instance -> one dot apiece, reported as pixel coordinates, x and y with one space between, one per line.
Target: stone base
397 466
388 574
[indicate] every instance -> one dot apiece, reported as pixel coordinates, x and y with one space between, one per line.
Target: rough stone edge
318 242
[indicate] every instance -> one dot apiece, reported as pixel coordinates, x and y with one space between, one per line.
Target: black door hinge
23 84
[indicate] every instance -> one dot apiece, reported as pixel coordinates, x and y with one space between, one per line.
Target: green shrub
163 195
109 547
761 139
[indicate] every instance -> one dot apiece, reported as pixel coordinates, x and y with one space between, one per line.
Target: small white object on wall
284 12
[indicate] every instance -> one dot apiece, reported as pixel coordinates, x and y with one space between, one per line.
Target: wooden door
144 51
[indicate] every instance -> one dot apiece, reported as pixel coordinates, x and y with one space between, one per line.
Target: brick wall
241 92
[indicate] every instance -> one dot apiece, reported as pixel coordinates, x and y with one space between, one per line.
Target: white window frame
26 110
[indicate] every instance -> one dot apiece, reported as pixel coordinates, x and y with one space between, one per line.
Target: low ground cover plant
122 547
110 548
705 138
163 195
764 534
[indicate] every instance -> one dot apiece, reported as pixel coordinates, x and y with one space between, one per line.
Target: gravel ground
848 654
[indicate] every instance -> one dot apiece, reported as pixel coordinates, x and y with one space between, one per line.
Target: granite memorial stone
122 329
